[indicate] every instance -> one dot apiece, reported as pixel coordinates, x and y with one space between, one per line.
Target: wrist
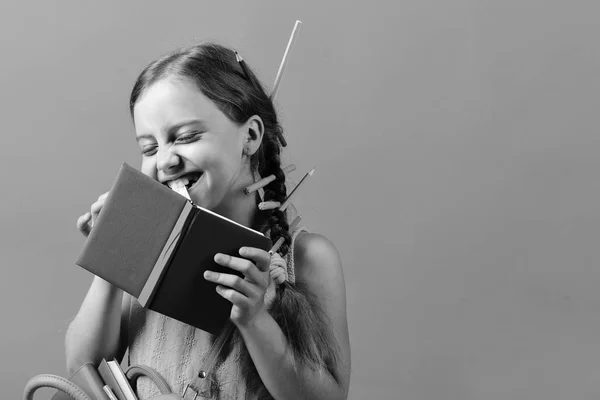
256 323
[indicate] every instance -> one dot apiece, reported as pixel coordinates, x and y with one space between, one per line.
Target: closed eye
149 150
189 137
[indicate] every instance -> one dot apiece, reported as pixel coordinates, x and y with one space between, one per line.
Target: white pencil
268 205
284 60
289 168
261 183
277 245
294 223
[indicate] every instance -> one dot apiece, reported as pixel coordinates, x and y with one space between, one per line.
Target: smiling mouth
188 181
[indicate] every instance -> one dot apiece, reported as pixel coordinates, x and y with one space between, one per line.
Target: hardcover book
115 378
88 379
154 244
98 382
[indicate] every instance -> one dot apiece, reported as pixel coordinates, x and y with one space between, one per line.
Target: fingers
83 224
233 296
97 206
242 265
231 281
87 220
261 258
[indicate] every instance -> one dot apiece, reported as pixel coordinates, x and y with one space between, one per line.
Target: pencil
277 245
294 223
287 201
289 168
266 180
240 60
284 60
268 205
257 185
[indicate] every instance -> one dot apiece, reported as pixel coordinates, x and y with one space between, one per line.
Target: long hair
239 95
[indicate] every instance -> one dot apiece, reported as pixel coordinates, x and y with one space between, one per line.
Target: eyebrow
174 128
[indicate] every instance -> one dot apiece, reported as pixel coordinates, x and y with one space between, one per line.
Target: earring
246 151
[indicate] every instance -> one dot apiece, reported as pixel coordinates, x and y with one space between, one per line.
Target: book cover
155 244
88 379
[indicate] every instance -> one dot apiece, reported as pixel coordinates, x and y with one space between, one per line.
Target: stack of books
106 382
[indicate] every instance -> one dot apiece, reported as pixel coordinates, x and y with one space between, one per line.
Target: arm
99 328
318 266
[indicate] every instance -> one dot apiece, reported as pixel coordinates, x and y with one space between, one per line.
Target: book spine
119 375
110 380
165 256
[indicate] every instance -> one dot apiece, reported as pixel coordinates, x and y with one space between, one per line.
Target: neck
241 207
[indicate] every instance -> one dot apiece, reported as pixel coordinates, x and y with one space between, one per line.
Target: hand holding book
87 220
246 294
156 245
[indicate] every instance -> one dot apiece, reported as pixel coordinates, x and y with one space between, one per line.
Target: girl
203 120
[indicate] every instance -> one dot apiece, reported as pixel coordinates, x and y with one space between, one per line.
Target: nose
167 160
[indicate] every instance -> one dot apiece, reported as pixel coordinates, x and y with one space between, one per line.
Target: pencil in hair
277 245
268 205
287 201
295 31
294 223
240 61
289 168
266 180
283 64
259 184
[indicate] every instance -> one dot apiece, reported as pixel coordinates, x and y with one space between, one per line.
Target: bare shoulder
317 262
318 266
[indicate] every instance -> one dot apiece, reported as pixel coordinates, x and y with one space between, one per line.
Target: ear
254 130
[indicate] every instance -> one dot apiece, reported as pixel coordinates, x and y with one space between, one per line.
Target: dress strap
290 255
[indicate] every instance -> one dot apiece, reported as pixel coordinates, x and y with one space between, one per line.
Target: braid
276 225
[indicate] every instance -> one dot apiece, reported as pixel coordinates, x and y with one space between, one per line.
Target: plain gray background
457 173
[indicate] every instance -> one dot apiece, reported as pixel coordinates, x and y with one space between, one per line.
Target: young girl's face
182 133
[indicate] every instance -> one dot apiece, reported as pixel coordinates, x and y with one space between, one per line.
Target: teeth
178 183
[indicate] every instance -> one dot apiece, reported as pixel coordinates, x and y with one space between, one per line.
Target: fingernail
208 274
243 251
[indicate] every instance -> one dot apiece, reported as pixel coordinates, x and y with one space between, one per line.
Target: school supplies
114 377
106 381
261 183
155 245
283 64
288 200
88 379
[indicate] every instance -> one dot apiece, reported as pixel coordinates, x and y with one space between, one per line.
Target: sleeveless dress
176 350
